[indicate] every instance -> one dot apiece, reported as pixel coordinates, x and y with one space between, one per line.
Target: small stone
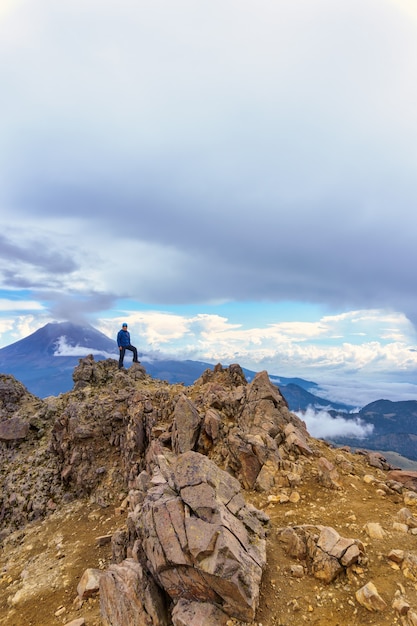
375 530
368 479
273 498
400 528
396 555
60 611
369 597
103 540
297 571
89 583
400 605
76 622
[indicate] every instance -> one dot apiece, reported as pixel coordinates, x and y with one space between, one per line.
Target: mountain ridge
45 360
36 361
96 481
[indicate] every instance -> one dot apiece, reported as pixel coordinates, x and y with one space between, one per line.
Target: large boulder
128 595
408 478
266 432
200 540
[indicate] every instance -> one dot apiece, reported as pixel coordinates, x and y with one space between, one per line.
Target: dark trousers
122 354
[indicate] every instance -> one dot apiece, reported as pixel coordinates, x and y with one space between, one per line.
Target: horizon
238 182
355 392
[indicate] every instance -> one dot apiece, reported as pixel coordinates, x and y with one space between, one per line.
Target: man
123 341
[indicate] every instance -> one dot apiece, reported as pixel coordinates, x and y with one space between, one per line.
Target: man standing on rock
123 341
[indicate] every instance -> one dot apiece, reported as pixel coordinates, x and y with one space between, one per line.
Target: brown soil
40 567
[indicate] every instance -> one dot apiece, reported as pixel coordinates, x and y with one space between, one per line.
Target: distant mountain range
45 360
395 427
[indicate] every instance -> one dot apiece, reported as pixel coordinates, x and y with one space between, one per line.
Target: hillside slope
69 482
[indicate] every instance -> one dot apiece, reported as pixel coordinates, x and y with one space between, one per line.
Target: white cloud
62 348
279 348
321 424
20 305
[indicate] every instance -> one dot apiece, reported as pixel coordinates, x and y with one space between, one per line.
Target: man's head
124 326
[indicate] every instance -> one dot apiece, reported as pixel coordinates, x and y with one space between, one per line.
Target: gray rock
199 549
186 425
188 613
13 429
128 595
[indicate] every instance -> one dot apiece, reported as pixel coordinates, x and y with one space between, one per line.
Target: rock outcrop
191 549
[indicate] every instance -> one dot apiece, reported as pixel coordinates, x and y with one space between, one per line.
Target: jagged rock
119 544
325 567
137 371
189 534
265 479
201 541
186 425
407 478
327 554
406 517
295 545
327 474
89 583
13 429
12 395
347 467
409 566
376 459
369 597
243 458
295 440
265 426
128 595
210 429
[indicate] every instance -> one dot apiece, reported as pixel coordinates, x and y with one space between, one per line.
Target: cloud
62 348
321 424
360 390
307 350
252 152
20 305
25 265
76 307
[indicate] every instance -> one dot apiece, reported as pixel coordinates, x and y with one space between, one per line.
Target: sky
235 179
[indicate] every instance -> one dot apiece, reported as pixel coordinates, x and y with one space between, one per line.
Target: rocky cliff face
199 475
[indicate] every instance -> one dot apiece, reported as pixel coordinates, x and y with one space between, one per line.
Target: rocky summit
130 501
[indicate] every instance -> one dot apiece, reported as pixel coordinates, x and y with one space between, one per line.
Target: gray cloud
248 152
34 263
77 307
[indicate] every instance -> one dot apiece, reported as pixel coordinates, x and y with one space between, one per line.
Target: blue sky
237 180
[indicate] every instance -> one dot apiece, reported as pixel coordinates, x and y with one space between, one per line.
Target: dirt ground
40 566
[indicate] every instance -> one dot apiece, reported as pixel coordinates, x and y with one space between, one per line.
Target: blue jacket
123 338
